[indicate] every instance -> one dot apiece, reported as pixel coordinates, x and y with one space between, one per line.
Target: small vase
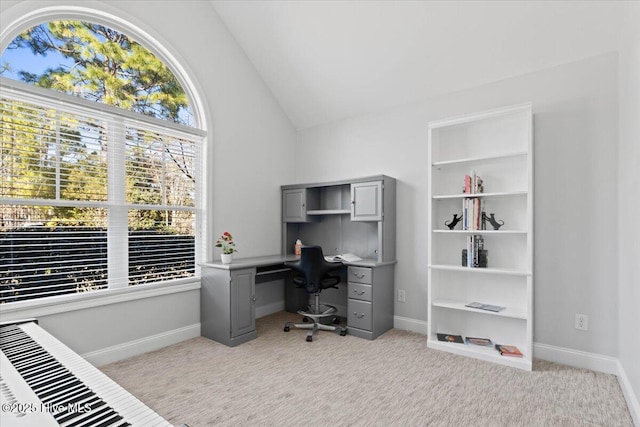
226 258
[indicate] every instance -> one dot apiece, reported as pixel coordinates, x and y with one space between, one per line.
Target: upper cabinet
366 201
294 205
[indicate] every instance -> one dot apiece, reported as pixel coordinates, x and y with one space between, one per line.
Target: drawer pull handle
359 276
358 316
358 292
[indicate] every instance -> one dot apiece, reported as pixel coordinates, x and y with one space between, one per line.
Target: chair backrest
314 268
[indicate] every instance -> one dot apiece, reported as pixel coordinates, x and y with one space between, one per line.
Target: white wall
629 203
575 116
251 140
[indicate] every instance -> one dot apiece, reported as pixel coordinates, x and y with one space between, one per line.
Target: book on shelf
482 342
343 258
488 307
474 255
471 213
450 338
508 350
473 184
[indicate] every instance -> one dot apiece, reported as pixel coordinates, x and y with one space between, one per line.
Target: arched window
101 175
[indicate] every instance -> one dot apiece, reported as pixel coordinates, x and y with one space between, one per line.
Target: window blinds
92 196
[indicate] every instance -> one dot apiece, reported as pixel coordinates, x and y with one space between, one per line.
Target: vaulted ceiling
329 60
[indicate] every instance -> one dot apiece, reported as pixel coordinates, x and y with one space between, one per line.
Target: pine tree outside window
100 173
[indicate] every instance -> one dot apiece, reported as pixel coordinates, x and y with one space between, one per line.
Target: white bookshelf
497 146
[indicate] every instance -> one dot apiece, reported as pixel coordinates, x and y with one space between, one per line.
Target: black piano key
43 394
96 415
36 380
109 421
67 381
62 412
64 417
47 364
62 399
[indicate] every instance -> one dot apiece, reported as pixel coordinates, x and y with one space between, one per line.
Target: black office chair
314 276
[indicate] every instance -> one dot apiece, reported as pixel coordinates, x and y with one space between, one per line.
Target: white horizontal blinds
164 250
82 158
92 196
49 154
42 254
160 168
28 150
160 177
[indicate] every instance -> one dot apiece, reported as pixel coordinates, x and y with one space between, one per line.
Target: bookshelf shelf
514 313
496 146
471 160
485 232
481 195
482 353
497 271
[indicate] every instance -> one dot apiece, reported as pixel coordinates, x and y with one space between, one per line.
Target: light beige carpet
279 379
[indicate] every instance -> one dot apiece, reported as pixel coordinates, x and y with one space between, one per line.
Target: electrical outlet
582 322
401 296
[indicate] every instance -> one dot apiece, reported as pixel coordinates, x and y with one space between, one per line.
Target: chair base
316 316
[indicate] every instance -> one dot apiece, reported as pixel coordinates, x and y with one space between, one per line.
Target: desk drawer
360 275
360 291
359 315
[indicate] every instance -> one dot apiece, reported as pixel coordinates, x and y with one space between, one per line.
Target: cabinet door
366 201
243 318
294 205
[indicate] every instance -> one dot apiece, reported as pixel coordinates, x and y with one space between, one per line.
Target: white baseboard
576 358
408 324
632 400
142 345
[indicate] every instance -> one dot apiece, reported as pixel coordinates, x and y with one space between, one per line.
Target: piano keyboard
45 383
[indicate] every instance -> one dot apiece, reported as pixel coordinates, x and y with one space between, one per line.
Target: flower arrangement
226 243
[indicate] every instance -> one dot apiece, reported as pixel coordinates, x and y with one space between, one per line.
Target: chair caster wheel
309 338
286 329
305 319
343 332
336 320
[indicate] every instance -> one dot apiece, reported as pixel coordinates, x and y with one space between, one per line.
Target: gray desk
227 296
347 216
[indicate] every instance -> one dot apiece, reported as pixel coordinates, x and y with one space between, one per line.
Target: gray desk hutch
351 216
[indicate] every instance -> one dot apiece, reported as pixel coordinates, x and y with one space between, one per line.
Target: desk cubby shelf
497 146
329 212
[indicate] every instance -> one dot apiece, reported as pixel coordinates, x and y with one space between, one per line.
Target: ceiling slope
329 60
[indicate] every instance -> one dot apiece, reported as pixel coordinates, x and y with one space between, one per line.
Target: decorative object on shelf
225 242
492 219
456 219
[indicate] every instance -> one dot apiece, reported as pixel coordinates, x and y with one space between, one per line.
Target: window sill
67 303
